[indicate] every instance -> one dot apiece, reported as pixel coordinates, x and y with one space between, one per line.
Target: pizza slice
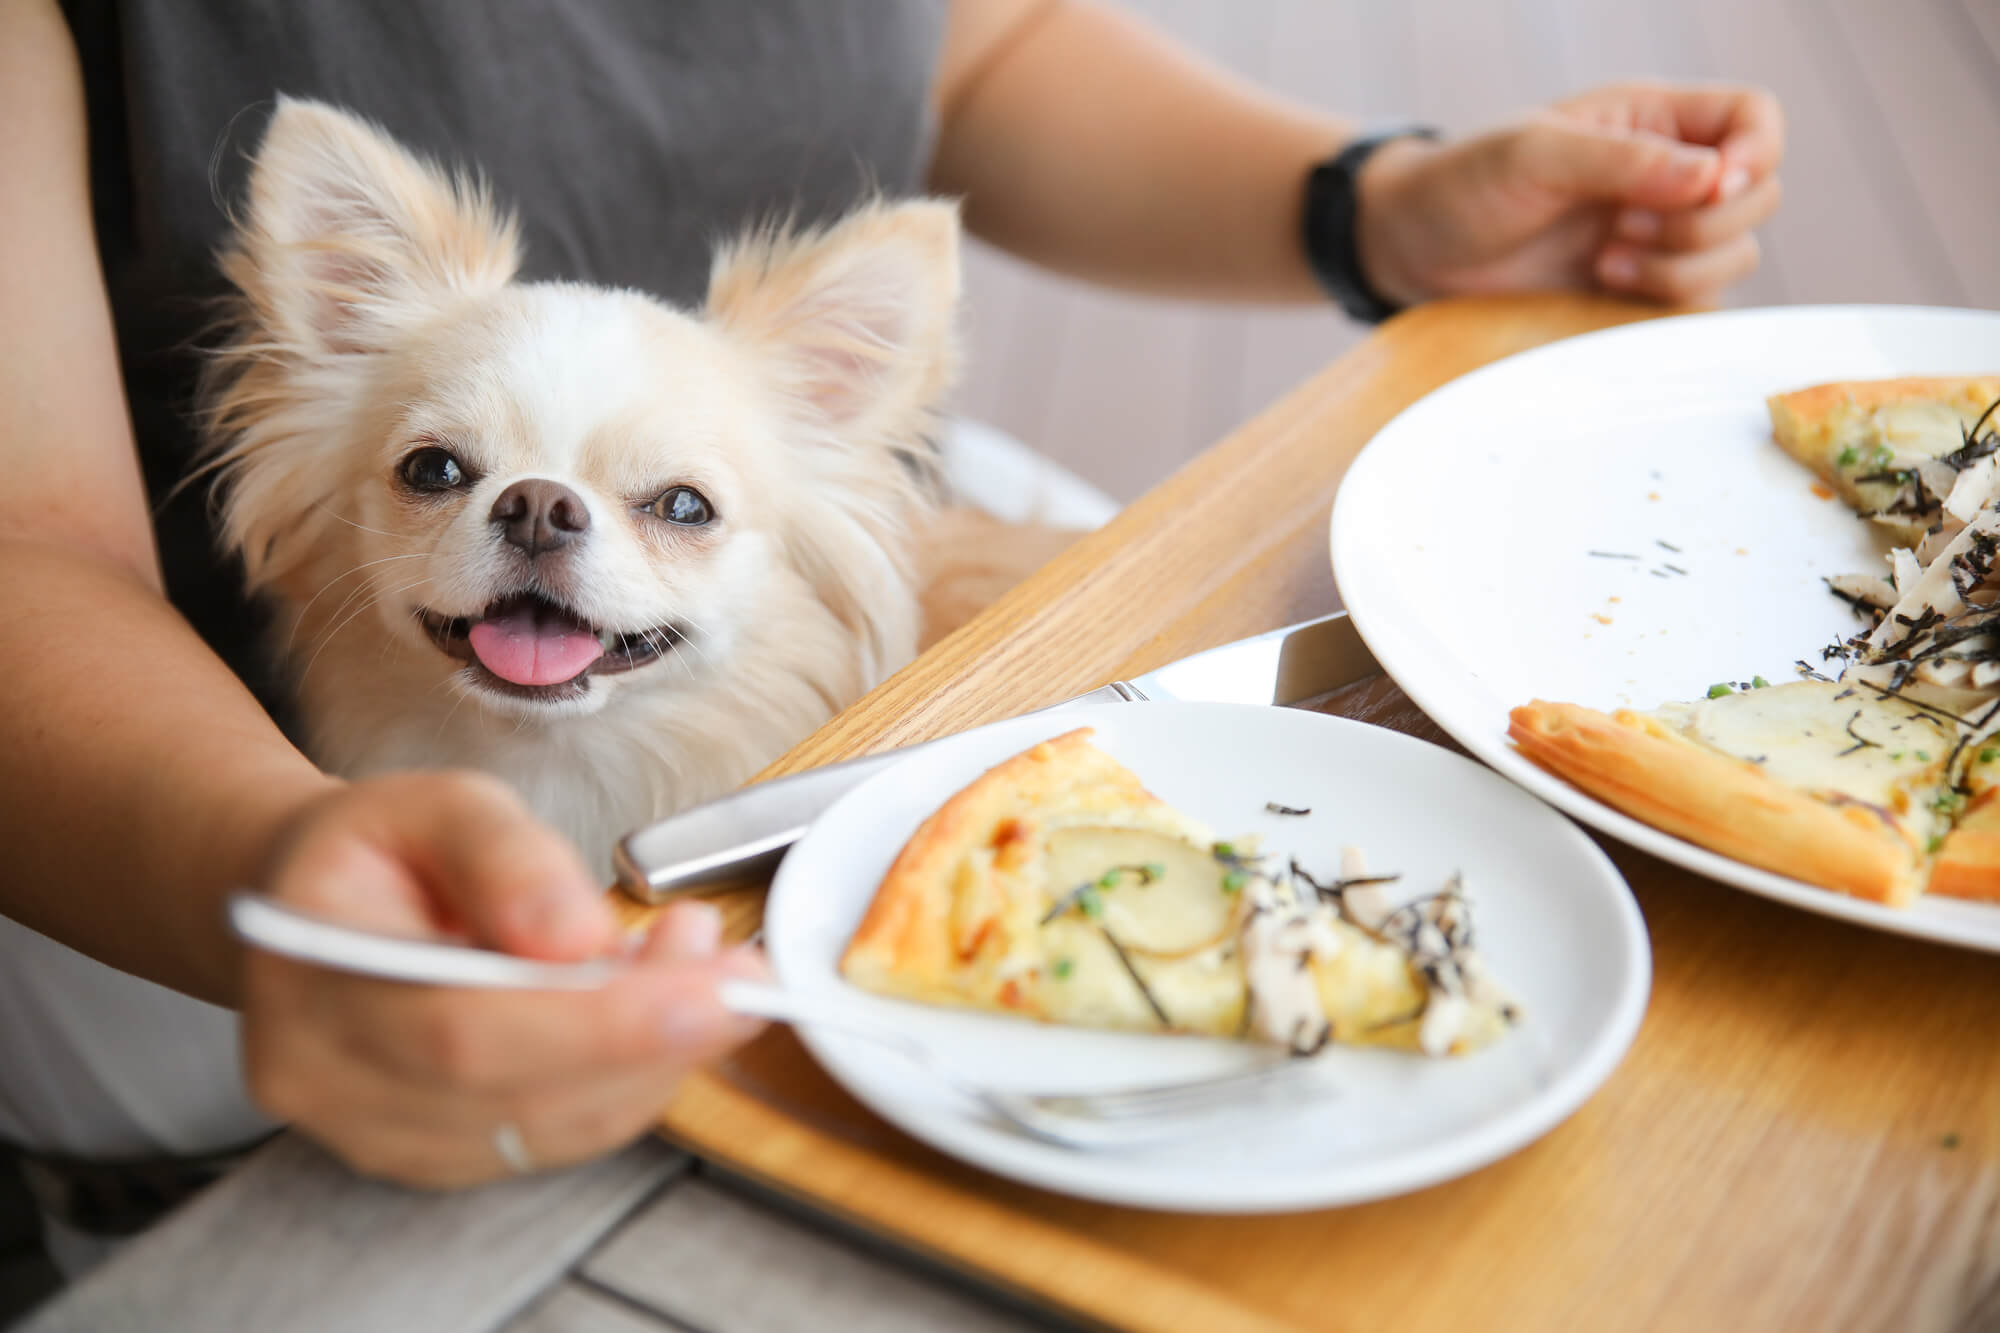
1826 782
1057 887
1896 450
1885 783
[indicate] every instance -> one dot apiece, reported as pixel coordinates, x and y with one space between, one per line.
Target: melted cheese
1178 908
1918 429
1799 733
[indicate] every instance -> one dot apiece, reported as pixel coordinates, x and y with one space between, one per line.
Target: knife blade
749 830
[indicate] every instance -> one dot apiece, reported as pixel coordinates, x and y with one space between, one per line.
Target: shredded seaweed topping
1084 898
1860 742
1132 971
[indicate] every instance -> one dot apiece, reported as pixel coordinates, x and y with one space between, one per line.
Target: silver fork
1116 1118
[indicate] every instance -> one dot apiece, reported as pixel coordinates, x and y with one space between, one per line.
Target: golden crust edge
1804 421
1968 865
1816 405
1643 768
889 952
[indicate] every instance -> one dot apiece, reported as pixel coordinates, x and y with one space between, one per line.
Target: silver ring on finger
513 1150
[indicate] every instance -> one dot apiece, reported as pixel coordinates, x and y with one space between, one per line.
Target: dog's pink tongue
529 648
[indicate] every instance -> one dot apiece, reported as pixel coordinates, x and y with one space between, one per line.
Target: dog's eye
432 469
683 505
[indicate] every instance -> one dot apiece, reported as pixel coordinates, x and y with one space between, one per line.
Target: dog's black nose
538 515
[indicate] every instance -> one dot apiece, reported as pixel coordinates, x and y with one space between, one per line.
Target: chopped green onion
1087 899
1848 457
1717 690
1234 881
1924 755
1937 841
1223 849
1154 870
1063 968
1988 756
1881 456
1759 683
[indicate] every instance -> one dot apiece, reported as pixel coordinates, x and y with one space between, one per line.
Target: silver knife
749 830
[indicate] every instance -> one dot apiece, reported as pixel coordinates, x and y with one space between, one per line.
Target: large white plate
1554 918
1462 539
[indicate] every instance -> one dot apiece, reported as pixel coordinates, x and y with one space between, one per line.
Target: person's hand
437 1087
1641 188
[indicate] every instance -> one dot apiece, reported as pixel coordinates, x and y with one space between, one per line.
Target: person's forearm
141 781
1088 144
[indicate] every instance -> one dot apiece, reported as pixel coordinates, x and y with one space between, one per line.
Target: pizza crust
1913 416
1968 865
1729 805
943 929
1056 887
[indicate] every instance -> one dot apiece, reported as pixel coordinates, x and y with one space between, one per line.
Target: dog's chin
543 692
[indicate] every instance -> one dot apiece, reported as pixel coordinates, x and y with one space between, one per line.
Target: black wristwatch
1332 205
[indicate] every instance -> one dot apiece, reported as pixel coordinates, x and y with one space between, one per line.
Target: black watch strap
1332 206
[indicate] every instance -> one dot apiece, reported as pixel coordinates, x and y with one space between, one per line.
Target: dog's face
550 494
564 488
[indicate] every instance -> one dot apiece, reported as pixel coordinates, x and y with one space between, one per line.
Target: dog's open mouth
530 646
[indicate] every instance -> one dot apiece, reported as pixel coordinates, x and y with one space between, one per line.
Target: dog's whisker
359 590
358 611
450 713
694 641
299 619
398 536
670 648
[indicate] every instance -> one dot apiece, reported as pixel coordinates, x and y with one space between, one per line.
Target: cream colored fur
379 313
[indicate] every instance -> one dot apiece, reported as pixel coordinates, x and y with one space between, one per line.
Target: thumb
1629 167
511 881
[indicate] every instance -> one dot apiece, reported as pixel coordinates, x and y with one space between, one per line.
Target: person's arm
140 781
1085 142
141 778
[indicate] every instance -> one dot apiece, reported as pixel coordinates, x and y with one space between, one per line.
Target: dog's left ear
856 324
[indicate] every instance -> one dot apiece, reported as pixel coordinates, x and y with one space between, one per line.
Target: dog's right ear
348 237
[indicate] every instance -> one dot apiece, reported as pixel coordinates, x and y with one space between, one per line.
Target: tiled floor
1891 104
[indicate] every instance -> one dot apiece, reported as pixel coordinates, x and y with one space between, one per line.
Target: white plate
1553 916
1461 539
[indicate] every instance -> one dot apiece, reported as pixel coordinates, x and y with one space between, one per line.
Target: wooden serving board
1806 1133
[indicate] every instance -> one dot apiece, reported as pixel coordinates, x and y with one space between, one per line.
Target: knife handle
748 832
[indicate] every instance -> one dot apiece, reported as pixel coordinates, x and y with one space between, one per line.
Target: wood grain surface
1806 1133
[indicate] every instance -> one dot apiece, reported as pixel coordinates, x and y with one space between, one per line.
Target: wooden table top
1806 1133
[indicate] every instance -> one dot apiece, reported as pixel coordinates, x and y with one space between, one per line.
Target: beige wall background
1894 109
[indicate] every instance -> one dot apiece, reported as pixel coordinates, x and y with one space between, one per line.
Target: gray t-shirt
629 135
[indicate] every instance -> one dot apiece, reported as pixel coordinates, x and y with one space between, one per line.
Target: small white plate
1462 539
1554 919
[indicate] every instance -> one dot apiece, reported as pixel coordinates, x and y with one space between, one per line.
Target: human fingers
1744 124
422 851
655 1013
1590 162
438 1137
1701 228
1694 278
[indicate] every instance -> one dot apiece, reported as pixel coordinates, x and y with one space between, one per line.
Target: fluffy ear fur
347 240
854 327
